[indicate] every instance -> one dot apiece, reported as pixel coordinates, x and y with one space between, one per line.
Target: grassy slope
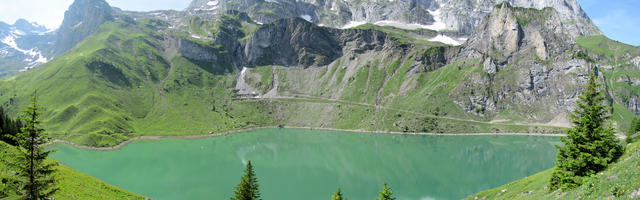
116 85
626 171
76 185
616 54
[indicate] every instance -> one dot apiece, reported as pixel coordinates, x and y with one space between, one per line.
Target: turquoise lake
294 164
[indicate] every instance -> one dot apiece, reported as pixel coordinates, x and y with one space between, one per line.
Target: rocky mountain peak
81 19
574 19
515 32
26 26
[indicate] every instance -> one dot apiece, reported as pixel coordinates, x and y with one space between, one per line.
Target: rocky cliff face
296 42
458 15
466 15
80 21
528 65
512 33
292 42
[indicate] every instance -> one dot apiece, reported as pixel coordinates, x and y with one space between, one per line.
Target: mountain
452 15
228 65
80 21
454 19
23 45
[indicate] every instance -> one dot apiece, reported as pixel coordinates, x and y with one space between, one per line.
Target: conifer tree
386 193
338 195
633 128
9 128
34 179
590 146
248 187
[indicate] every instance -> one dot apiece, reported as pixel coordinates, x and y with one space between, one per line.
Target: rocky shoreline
124 143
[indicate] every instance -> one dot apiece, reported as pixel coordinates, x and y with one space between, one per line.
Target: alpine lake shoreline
414 164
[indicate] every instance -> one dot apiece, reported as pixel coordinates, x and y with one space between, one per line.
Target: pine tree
9 128
590 146
248 187
633 128
338 195
386 193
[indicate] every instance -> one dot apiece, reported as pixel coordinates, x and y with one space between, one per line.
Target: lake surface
312 164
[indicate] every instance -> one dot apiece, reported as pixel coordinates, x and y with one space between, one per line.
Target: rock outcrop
292 42
512 33
81 20
296 42
533 46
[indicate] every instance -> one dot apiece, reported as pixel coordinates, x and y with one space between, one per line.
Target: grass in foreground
74 185
619 181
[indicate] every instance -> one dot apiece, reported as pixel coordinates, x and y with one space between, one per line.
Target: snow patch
11 41
334 6
445 39
213 3
437 17
36 56
206 9
77 25
306 17
196 36
352 24
403 25
437 25
15 31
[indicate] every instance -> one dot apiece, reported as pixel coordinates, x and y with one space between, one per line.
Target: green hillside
619 181
73 184
623 79
116 84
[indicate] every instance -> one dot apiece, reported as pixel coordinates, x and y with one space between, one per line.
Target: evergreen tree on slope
590 146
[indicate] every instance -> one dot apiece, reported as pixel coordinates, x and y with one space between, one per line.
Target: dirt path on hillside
309 98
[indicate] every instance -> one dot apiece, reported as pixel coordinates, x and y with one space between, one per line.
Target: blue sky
618 19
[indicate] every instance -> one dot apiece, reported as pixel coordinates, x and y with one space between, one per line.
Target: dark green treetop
248 187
